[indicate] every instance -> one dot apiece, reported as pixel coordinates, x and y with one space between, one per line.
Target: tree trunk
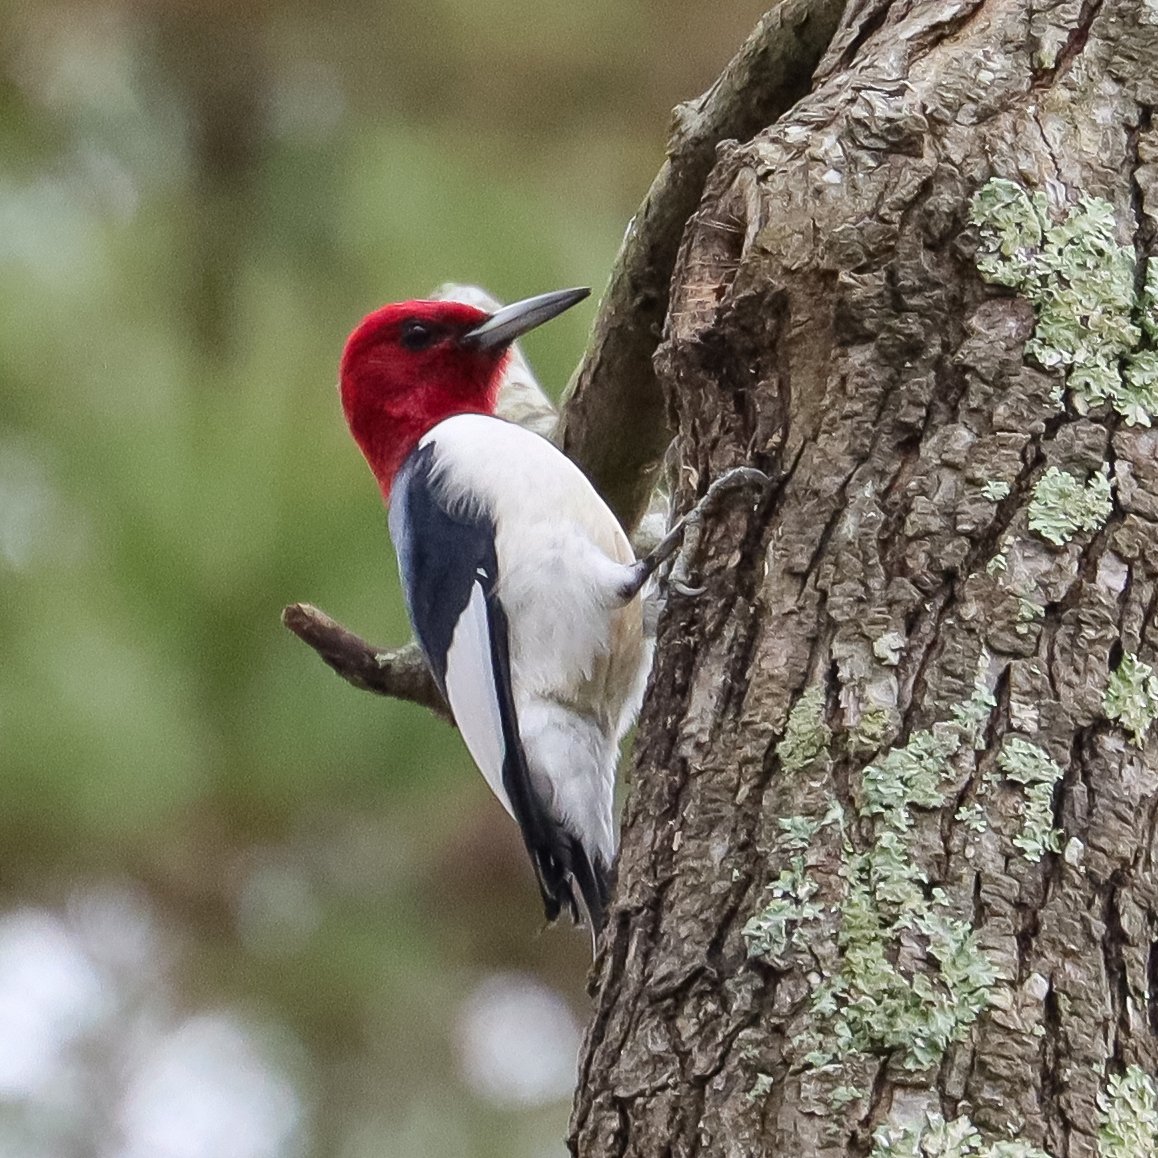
888 874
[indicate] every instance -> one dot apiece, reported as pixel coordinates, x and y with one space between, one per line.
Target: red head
410 365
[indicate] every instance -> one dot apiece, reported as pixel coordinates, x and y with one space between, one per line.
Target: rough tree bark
888 878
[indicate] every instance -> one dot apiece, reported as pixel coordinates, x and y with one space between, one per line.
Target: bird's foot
683 540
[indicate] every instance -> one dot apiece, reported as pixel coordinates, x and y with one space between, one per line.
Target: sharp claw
691 527
740 476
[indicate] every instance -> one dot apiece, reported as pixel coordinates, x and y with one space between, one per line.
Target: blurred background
245 910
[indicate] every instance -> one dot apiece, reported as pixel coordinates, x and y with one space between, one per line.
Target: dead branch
401 673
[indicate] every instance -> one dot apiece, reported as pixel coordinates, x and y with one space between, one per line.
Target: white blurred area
30 508
518 1042
97 1059
100 1058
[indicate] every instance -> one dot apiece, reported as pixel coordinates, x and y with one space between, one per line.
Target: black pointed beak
511 322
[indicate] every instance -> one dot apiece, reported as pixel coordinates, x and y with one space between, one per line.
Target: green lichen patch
1032 768
915 776
761 1087
845 1094
1090 320
972 715
1085 301
1013 225
872 1005
806 735
1127 1123
912 977
1150 301
910 776
1138 398
1062 506
1128 1119
973 817
995 491
796 832
870 730
1029 612
769 933
934 1137
879 1001
1132 697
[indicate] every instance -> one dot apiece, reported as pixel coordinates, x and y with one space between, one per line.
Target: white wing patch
473 696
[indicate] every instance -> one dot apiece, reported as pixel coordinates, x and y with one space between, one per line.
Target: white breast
562 559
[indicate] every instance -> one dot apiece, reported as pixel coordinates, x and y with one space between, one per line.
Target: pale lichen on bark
1129 1115
1127 1128
1132 697
1038 774
1063 505
931 1136
1092 320
806 735
881 1000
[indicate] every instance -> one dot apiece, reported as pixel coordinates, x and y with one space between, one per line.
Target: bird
521 587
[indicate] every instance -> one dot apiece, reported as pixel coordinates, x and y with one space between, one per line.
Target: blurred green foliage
197 202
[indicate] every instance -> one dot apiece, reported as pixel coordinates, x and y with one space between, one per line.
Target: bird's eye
417 335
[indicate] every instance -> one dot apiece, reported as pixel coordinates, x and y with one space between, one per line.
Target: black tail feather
590 875
567 874
569 878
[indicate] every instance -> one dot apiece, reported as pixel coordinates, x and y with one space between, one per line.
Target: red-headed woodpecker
521 586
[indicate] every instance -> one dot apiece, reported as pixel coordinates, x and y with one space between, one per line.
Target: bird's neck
389 414
387 439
